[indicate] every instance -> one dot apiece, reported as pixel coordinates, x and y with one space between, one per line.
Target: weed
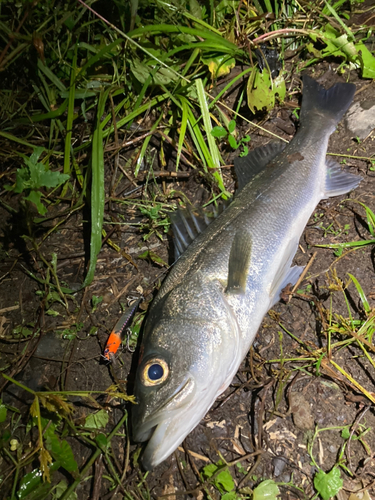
157 221
34 176
228 134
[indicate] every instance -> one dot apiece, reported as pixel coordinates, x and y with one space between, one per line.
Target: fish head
181 371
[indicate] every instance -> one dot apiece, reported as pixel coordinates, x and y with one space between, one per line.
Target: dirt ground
268 415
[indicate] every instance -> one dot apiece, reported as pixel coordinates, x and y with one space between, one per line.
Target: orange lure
117 334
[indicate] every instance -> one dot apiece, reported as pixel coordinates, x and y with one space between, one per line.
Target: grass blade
144 147
51 76
220 42
69 120
350 244
184 121
353 381
214 151
97 191
361 293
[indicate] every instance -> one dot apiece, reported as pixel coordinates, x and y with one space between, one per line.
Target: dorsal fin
249 166
188 223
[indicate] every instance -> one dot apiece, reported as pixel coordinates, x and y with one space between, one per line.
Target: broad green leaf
334 43
35 197
219 65
232 495
345 433
344 45
21 331
60 489
34 157
29 483
97 420
232 142
219 132
340 46
225 480
262 92
95 302
32 486
209 470
367 61
232 126
266 490
102 441
195 8
22 180
328 484
40 177
60 451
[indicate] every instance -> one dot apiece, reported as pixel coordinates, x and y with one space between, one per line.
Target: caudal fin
328 105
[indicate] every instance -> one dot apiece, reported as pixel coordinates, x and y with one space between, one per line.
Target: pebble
301 412
279 465
360 119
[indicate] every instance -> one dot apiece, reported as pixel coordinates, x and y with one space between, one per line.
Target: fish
231 269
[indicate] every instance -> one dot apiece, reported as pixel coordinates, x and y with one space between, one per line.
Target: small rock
285 478
301 412
279 465
360 119
332 449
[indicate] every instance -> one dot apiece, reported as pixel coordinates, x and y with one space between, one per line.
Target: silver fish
208 310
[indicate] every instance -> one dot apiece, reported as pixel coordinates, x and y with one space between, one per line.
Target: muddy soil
284 389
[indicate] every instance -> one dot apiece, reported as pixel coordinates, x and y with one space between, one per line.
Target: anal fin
338 181
291 278
285 274
239 263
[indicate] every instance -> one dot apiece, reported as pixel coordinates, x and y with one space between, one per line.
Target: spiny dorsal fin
188 223
249 166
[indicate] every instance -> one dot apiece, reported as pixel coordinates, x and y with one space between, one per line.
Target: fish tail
319 104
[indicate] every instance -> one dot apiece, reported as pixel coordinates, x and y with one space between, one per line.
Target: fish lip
151 456
145 429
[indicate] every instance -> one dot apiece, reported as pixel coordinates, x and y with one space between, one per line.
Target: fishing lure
117 334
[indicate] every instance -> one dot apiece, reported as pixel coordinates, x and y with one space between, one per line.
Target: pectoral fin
239 262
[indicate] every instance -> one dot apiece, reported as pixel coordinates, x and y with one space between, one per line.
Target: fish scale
209 308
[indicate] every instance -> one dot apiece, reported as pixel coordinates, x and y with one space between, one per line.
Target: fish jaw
166 430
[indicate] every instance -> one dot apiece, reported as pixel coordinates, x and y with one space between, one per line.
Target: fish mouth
165 429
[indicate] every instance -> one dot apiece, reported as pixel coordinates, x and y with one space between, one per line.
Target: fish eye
154 372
